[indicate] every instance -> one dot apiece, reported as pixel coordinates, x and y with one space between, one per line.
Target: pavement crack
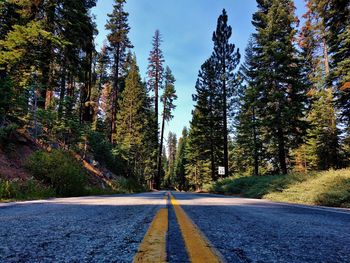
241 254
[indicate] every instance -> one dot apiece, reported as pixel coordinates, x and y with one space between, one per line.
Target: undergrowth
329 188
59 170
24 190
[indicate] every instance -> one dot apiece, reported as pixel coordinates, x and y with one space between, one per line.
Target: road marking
153 246
197 245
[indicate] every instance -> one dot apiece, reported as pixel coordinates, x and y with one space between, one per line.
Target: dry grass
328 188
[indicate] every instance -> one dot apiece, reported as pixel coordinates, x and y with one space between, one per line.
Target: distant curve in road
111 229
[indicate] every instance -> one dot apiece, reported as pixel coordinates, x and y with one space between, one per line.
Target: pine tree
132 122
336 17
209 119
180 162
171 155
118 45
323 138
280 80
248 124
226 59
156 71
155 81
337 22
168 98
197 167
100 80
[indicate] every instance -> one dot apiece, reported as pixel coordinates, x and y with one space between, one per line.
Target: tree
155 80
226 59
168 98
132 123
197 167
156 71
336 17
180 162
118 45
100 75
208 124
170 172
283 91
322 146
248 124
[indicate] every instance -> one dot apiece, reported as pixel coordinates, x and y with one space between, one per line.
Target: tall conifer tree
280 79
226 59
132 122
119 43
181 161
168 98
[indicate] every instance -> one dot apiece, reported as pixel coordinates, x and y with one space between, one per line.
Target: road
181 227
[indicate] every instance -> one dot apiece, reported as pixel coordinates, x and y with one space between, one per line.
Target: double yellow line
153 246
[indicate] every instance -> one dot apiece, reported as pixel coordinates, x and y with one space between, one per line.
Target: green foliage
6 97
336 17
134 122
225 58
103 152
329 188
180 162
18 190
170 175
322 148
6 132
127 185
272 116
60 170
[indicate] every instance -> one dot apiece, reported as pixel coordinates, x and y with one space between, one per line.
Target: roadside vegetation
327 188
59 174
24 190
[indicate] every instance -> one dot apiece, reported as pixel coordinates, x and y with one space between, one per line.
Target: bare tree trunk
62 88
326 56
256 154
281 145
157 179
225 118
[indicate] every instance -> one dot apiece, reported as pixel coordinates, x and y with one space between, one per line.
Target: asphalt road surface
112 229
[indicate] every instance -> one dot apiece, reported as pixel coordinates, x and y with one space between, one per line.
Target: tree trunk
255 139
156 132
326 56
115 95
87 110
62 88
281 145
225 119
157 179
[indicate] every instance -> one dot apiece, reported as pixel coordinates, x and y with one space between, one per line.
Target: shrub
127 185
60 170
105 154
20 190
6 132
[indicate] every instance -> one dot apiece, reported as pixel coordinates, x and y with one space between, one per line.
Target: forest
280 107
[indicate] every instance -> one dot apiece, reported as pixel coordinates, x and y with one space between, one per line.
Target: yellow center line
197 245
153 246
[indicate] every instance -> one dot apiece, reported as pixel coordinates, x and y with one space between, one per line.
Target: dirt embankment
21 145
13 156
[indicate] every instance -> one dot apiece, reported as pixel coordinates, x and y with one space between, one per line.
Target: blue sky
187 27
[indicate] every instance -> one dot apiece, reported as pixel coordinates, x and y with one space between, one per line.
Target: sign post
221 170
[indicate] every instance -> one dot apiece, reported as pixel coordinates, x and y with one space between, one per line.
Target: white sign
221 170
